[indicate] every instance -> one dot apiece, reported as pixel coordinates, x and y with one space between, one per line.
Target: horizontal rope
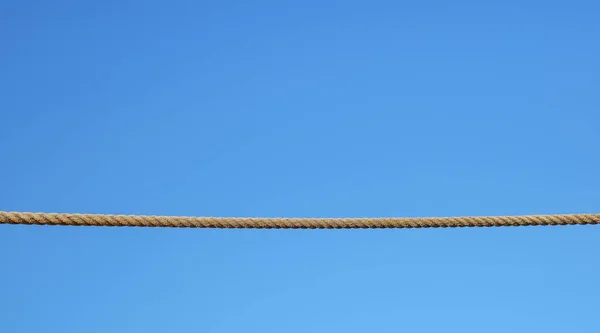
292 223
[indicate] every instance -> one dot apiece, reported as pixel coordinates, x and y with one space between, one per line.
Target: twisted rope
292 223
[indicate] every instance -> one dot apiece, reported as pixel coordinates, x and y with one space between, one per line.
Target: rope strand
292 223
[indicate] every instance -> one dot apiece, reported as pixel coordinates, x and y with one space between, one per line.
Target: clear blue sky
301 109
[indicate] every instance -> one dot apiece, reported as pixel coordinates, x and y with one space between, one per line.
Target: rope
292 223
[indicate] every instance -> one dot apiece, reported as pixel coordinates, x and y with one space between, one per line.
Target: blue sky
300 109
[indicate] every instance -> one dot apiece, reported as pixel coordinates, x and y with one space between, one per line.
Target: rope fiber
292 223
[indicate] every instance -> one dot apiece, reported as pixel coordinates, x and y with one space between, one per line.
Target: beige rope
292 223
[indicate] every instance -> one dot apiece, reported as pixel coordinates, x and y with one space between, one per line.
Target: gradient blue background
303 109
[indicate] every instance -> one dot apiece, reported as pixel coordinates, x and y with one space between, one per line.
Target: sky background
300 109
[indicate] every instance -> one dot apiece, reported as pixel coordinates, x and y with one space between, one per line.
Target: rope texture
292 223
